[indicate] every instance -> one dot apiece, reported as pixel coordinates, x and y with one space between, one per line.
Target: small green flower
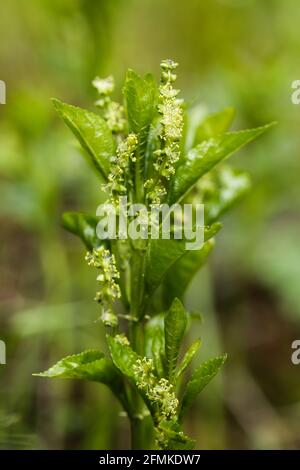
122 339
163 393
169 134
144 370
104 86
109 290
171 120
113 112
120 165
159 392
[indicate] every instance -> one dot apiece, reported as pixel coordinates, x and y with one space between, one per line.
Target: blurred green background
241 53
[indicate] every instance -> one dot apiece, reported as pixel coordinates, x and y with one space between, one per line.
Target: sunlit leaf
140 97
213 125
206 156
92 132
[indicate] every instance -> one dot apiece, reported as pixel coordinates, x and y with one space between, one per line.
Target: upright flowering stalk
112 112
169 133
109 290
119 178
136 148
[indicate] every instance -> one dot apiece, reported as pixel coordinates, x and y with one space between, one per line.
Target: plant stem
138 421
141 433
139 181
141 423
137 279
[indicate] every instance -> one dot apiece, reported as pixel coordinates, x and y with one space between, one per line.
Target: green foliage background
240 53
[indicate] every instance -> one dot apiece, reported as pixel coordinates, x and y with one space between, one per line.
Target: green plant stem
141 433
139 423
139 182
138 438
137 278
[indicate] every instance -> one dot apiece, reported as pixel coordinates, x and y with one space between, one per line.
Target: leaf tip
56 103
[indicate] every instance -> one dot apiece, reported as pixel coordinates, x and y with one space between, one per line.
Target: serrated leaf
199 379
92 132
175 325
123 357
162 254
205 156
89 365
195 346
140 98
213 125
183 270
82 225
155 342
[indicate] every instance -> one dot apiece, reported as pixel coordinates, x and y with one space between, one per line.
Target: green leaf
230 186
205 156
162 254
213 125
195 346
84 226
175 325
183 270
88 365
140 98
125 359
123 356
92 132
155 342
173 438
199 379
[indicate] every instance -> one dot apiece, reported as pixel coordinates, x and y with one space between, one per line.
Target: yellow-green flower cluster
144 370
119 164
109 290
171 121
169 134
122 339
157 191
113 112
161 392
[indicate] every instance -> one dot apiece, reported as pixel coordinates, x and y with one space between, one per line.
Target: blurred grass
241 53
